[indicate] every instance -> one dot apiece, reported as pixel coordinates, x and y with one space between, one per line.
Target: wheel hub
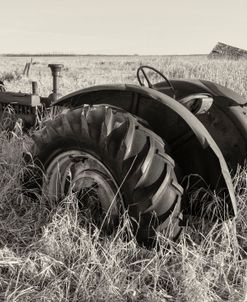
82 174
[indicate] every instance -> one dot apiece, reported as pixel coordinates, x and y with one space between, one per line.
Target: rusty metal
192 146
197 103
142 68
35 88
203 123
56 73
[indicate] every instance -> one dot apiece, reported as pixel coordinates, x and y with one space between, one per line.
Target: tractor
141 149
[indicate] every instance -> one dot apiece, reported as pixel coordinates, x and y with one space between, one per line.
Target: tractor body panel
7 97
226 120
18 105
191 145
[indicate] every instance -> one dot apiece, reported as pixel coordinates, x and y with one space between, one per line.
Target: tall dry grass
50 253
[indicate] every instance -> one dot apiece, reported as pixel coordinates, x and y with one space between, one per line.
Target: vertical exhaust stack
35 88
56 73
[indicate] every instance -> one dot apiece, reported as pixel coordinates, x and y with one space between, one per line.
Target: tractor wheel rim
78 172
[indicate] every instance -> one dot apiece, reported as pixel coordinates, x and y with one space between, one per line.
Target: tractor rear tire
109 148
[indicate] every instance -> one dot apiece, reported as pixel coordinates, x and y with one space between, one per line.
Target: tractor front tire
109 149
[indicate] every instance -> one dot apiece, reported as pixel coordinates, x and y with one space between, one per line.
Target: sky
143 27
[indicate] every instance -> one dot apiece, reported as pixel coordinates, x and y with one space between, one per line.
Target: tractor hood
219 90
185 87
226 120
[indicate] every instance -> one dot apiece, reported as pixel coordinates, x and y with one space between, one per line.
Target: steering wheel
141 69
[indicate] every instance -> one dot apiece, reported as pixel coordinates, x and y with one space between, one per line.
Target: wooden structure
222 50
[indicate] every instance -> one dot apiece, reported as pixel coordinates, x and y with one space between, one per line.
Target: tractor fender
226 120
192 147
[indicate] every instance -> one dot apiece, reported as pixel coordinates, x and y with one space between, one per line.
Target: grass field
47 255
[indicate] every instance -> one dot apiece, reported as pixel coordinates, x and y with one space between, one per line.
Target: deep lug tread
151 192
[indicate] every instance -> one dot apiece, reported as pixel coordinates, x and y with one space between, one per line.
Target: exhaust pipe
35 88
56 73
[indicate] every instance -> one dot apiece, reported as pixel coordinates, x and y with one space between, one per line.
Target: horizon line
53 54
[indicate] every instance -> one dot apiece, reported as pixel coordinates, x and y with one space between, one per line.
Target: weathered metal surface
34 88
14 106
19 98
226 119
142 68
197 103
192 146
204 123
56 73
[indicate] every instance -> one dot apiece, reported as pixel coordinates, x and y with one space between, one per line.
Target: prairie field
48 252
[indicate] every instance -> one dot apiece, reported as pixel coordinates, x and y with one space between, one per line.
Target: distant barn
222 50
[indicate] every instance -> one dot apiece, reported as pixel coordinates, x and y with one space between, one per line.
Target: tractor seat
198 103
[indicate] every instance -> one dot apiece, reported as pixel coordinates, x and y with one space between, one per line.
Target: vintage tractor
140 149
